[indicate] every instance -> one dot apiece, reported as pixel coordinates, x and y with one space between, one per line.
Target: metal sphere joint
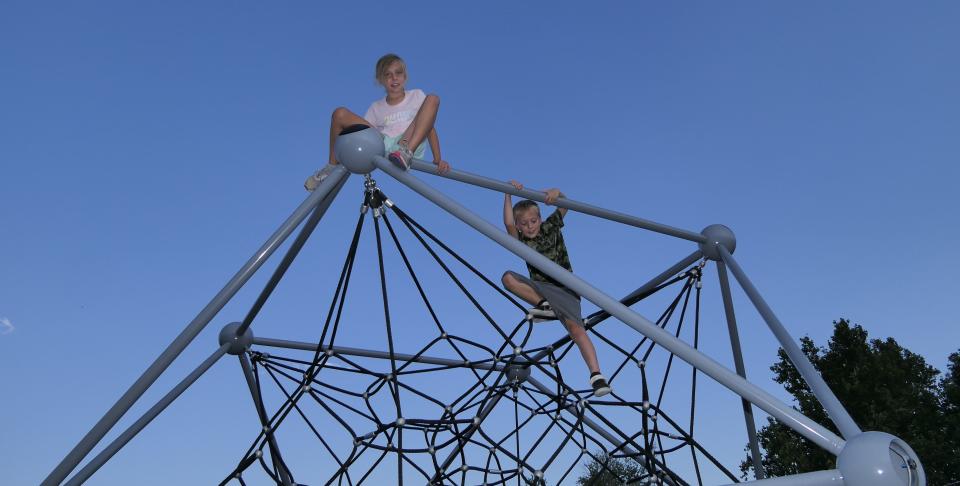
717 234
238 344
356 149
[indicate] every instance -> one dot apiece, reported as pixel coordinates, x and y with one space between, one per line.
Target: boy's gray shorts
563 301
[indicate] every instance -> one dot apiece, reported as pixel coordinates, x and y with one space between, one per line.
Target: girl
404 118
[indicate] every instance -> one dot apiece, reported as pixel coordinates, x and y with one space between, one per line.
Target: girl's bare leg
340 119
423 122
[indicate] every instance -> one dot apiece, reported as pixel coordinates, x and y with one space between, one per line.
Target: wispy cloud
6 327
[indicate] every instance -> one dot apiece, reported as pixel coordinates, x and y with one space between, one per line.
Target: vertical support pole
471 430
113 415
813 431
97 462
278 464
844 422
601 431
741 370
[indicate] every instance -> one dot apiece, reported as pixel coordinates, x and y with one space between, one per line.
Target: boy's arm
552 196
508 220
434 140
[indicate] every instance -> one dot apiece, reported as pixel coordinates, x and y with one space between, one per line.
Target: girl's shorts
391 144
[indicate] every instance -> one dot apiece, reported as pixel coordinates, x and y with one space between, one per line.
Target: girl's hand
442 166
552 195
516 185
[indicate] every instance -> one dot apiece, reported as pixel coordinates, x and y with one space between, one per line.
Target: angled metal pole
278 463
813 431
844 422
571 204
97 462
291 254
741 370
678 267
631 298
109 419
367 353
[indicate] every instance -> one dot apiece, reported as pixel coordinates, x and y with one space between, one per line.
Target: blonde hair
384 63
522 206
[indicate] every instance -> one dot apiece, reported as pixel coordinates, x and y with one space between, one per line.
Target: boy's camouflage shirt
549 243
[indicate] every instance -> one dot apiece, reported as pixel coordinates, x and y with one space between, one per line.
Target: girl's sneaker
402 157
541 312
599 384
317 177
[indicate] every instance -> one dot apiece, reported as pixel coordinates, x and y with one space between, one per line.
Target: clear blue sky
146 151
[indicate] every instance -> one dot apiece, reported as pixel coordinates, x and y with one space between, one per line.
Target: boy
551 300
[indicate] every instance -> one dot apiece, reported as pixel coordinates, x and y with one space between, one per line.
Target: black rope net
464 410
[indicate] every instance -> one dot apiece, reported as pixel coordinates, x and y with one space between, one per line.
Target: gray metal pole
291 254
367 353
813 431
97 462
844 422
90 440
580 207
830 477
631 298
666 274
741 370
278 464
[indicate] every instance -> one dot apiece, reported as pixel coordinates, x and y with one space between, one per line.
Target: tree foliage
606 470
884 387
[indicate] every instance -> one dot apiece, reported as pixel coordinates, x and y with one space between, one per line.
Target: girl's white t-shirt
392 120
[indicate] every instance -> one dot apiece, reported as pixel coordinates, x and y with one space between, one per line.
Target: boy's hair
523 206
384 62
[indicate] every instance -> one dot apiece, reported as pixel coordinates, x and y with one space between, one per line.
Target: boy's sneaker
317 177
541 312
402 157
599 384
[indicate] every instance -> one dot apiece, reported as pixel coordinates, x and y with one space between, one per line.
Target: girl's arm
434 140
508 221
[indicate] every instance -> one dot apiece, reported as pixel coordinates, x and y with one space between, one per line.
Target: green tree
883 386
607 470
950 393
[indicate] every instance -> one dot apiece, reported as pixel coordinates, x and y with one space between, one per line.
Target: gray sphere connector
517 373
238 344
356 149
879 459
717 234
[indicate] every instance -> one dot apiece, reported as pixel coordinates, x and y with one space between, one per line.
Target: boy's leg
541 310
580 337
520 289
422 123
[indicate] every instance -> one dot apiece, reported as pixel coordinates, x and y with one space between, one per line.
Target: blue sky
146 151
